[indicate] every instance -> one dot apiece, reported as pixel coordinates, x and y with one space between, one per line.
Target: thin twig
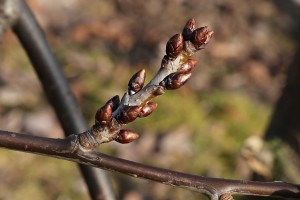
68 149
175 70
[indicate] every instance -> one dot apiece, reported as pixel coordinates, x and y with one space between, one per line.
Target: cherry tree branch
214 188
110 120
175 70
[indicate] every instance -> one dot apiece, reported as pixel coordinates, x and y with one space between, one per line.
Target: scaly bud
115 101
175 80
148 109
104 114
174 46
200 37
136 82
188 66
188 29
126 136
128 114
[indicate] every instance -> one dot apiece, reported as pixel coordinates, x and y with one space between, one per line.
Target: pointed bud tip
190 24
115 101
201 36
174 45
176 80
136 82
104 114
188 29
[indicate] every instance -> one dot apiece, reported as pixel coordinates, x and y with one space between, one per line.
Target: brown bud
136 82
115 101
104 114
188 29
128 114
174 46
201 36
126 136
188 66
175 80
148 109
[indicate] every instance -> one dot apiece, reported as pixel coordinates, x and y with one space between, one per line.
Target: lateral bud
175 80
104 114
136 82
115 101
128 114
201 37
174 46
188 29
126 136
148 109
187 66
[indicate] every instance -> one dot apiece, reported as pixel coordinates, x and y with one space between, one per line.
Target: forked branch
110 120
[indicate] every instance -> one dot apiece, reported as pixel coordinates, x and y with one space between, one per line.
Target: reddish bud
188 29
201 36
136 82
126 136
115 101
175 80
128 114
104 114
148 109
174 46
188 66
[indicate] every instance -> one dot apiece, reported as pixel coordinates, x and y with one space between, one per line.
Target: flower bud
136 82
174 46
175 80
128 114
148 109
188 29
201 36
188 66
104 114
126 136
115 101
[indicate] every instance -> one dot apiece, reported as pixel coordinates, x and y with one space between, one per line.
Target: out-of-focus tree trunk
285 121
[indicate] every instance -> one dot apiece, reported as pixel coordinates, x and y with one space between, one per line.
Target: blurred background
213 126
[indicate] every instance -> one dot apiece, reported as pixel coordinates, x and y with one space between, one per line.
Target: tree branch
68 149
175 70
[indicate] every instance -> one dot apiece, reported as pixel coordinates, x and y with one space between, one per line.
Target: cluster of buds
174 72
